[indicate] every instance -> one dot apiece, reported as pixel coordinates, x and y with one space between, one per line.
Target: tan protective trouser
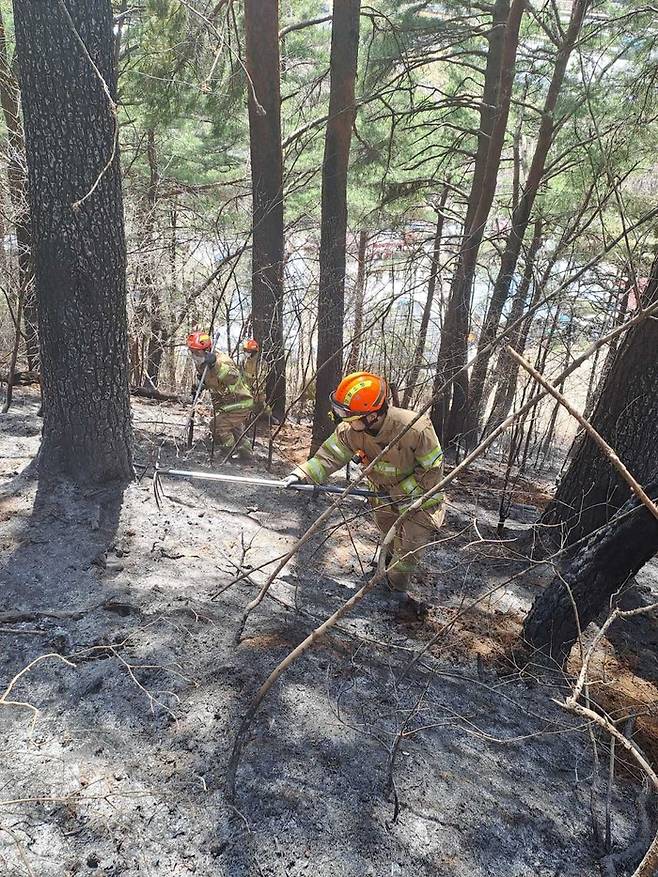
227 426
415 532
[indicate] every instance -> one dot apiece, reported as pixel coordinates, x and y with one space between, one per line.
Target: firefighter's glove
291 480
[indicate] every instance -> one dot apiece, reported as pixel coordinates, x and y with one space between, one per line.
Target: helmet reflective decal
355 389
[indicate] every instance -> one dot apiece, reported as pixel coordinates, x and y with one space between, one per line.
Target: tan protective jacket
228 389
410 468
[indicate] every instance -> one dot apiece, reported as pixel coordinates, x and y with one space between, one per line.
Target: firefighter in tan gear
231 398
409 469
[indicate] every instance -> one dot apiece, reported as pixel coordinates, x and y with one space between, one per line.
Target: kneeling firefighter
231 398
408 469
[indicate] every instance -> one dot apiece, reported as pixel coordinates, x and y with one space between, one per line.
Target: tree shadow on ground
62 534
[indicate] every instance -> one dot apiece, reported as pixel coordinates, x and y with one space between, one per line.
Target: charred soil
117 738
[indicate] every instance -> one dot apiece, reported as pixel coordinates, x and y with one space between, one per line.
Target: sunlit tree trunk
520 221
9 99
359 296
419 352
449 405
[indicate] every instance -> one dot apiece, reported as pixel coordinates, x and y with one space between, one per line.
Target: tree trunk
78 247
263 66
520 221
499 77
622 308
544 448
625 415
359 295
13 358
607 561
507 368
9 98
419 352
158 334
331 292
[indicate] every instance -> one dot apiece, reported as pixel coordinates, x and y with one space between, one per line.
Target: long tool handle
197 395
264 482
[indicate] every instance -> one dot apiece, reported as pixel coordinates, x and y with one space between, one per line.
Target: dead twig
24 704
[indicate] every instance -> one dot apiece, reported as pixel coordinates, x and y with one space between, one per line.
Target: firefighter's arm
331 456
429 467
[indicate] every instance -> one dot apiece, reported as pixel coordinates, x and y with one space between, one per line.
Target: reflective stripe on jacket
412 466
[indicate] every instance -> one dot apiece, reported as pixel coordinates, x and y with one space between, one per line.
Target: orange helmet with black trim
358 394
251 346
199 341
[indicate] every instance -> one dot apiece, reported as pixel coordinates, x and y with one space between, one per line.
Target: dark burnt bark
520 221
604 565
625 415
331 292
419 352
78 251
263 65
499 78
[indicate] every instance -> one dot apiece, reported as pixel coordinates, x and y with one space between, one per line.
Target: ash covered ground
116 740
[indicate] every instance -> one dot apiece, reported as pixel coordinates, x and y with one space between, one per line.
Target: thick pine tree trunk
625 415
607 561
419 352
79 250
333 233
499 77
520 222
263 65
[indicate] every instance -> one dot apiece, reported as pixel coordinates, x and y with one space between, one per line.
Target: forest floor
114 759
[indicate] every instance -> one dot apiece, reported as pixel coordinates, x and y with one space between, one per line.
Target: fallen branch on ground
147 393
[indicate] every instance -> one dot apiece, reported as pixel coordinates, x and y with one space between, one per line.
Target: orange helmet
251 345
199 341
358 394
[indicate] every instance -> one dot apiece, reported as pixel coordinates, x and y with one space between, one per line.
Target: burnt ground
116 745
